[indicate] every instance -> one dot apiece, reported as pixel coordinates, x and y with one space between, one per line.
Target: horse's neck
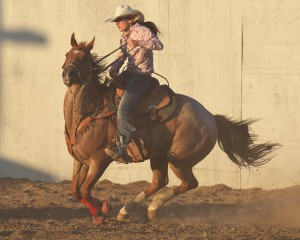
74 108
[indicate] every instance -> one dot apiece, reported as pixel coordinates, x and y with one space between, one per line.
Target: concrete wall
237 57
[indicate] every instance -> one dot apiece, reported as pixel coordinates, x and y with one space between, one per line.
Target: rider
141 38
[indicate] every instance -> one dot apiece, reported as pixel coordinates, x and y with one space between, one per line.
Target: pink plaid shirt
140 59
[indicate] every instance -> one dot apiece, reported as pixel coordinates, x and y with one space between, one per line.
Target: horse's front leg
159 166
97 167
79 174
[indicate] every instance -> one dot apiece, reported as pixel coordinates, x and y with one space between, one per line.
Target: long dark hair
152 26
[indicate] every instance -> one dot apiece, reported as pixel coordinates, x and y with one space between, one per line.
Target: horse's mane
97 64
96 89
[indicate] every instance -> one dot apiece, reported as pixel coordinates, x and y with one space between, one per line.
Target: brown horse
181 142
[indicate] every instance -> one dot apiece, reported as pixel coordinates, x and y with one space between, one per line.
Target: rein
112 52
109 65
77 68
118 59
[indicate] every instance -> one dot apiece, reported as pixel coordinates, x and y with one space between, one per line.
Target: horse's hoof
106 207
98 220
152 214
122 217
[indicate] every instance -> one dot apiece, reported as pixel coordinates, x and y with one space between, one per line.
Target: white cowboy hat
125 10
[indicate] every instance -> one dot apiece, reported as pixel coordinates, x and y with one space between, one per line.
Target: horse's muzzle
68 77
67 82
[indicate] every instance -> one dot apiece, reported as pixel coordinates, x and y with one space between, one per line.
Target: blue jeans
136 86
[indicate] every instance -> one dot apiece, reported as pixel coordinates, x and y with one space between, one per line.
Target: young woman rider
141 38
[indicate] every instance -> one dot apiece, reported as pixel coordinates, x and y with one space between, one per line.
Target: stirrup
114 152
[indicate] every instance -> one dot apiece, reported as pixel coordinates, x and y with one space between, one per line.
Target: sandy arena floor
39 210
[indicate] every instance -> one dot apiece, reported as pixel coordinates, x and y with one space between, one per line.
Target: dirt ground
39 210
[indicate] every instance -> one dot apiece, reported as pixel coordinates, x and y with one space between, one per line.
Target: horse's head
77 67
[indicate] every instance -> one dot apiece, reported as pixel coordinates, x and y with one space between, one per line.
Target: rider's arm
121 55
150 41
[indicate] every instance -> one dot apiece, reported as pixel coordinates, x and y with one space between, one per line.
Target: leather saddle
156 105
159 101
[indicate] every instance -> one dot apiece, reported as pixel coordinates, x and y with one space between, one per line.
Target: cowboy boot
137 153
117 152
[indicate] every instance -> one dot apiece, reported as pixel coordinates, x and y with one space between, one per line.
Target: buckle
152 109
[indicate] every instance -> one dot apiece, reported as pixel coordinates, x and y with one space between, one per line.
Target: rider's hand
132 43
113 74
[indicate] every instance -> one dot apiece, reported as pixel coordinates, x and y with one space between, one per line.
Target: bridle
73 63
77 68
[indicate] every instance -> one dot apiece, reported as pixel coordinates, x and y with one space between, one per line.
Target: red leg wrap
94 205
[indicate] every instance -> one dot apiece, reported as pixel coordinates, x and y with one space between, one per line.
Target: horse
180 142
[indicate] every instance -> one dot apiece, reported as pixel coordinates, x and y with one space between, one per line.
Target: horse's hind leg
188 182
187 177
159 166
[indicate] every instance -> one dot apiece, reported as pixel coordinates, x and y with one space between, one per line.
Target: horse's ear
73 41
91 44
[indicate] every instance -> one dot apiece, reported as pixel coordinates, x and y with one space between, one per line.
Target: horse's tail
235 139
